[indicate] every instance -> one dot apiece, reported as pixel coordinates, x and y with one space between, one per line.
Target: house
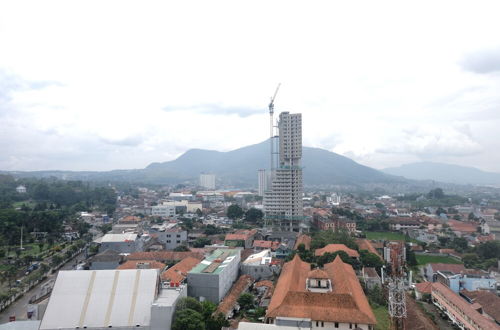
164 211
489 302
21 189
422 289
108 259
332 248
122 243
230 302
212 278
461 228
98 299
260 245
241 238
458 310
170 235
333 222
371 278
330 297
130 220
260 265
178 272
265 289
430 270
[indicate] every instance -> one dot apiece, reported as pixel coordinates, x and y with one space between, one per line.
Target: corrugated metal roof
101 298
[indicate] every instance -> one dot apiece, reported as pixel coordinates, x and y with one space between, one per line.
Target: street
18 308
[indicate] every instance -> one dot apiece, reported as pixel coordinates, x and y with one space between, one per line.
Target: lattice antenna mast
397 303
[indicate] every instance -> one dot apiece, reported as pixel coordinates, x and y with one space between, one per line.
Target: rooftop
332 248
142 264
178 272
303 239
490 302
164 256
216 262
229 301
114 238
101 298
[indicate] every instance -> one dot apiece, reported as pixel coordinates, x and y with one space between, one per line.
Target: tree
106 228
199 213
188 319
181 248
489 250
254 215
370 259
189 303
201 242
246 301
376 295
436 194
234 211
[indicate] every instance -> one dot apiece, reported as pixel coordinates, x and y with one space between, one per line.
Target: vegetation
253 215
191 314
234 212
322 238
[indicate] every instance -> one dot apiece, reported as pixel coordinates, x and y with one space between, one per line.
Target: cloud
434 141
482 62
10 83
218 110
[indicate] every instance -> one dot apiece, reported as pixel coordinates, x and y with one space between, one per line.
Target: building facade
283 202
207 181
262 182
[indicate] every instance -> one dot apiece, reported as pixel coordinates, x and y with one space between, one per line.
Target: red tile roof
332 248
490 302
229 301
178 272
424 287
346 302
455 268
262 244
241 235
466 227
365 244
132 264
303 239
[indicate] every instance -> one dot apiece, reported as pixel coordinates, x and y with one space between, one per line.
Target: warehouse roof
101 298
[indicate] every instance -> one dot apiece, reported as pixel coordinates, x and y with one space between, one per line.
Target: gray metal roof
101 298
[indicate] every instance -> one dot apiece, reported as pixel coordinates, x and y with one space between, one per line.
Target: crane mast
271 129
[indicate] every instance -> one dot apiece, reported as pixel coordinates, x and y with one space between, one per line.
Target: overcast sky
100 85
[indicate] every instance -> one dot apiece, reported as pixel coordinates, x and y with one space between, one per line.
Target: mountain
445 173
237 168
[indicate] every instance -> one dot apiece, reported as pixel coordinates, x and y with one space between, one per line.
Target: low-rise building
330 298
332 248
459 311
212 278
178 272
469 280
260 265
430 270
489 302
121 243
230 302
371 278
241 238
164 211
108 259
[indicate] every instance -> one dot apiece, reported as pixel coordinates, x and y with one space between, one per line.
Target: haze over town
100 86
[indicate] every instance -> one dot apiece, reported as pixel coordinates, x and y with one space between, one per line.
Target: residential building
263 180
121 243
260 265
99 299
241 238
108 259
283 202
260 245
212 278
21 189
207 181
459 311
330 298
371 278
334 223
165 211
170 235
430 270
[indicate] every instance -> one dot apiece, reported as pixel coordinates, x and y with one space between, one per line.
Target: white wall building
121 243
207 180
263 182
163 211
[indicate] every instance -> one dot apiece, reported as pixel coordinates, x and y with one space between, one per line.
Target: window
168 241
336 324
350 325
178 236
178 242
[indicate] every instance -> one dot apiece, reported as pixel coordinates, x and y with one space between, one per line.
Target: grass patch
29 204
423 259
388 235
382 316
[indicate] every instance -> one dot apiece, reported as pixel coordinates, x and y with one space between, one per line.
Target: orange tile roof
365 244
489 301
132 264
332 248
163 256
424 287
229 301
178 272
131 218
455 268
303 239
241 235
463 306
262 244
467 227
346 302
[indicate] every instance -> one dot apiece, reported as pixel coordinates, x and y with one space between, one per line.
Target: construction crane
271 117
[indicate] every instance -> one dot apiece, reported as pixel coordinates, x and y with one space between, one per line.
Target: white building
207 181
259 266
21 189
121 243
106 299
283 203
263 182
163 211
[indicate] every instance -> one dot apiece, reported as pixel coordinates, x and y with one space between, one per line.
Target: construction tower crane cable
271 117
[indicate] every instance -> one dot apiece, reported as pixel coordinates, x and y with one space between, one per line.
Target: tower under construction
283 202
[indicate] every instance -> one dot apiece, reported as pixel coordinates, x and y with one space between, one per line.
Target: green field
422 260
382 316
388 235
28 204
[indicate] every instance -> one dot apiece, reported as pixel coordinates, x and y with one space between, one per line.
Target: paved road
18 308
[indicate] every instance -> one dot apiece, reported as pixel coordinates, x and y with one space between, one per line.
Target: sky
101 85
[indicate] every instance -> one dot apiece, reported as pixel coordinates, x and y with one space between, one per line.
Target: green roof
214 263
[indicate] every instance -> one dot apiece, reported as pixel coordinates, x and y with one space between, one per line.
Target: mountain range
237 168
445 173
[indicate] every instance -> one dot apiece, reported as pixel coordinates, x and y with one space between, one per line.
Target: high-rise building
263 182
207 181
283 202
